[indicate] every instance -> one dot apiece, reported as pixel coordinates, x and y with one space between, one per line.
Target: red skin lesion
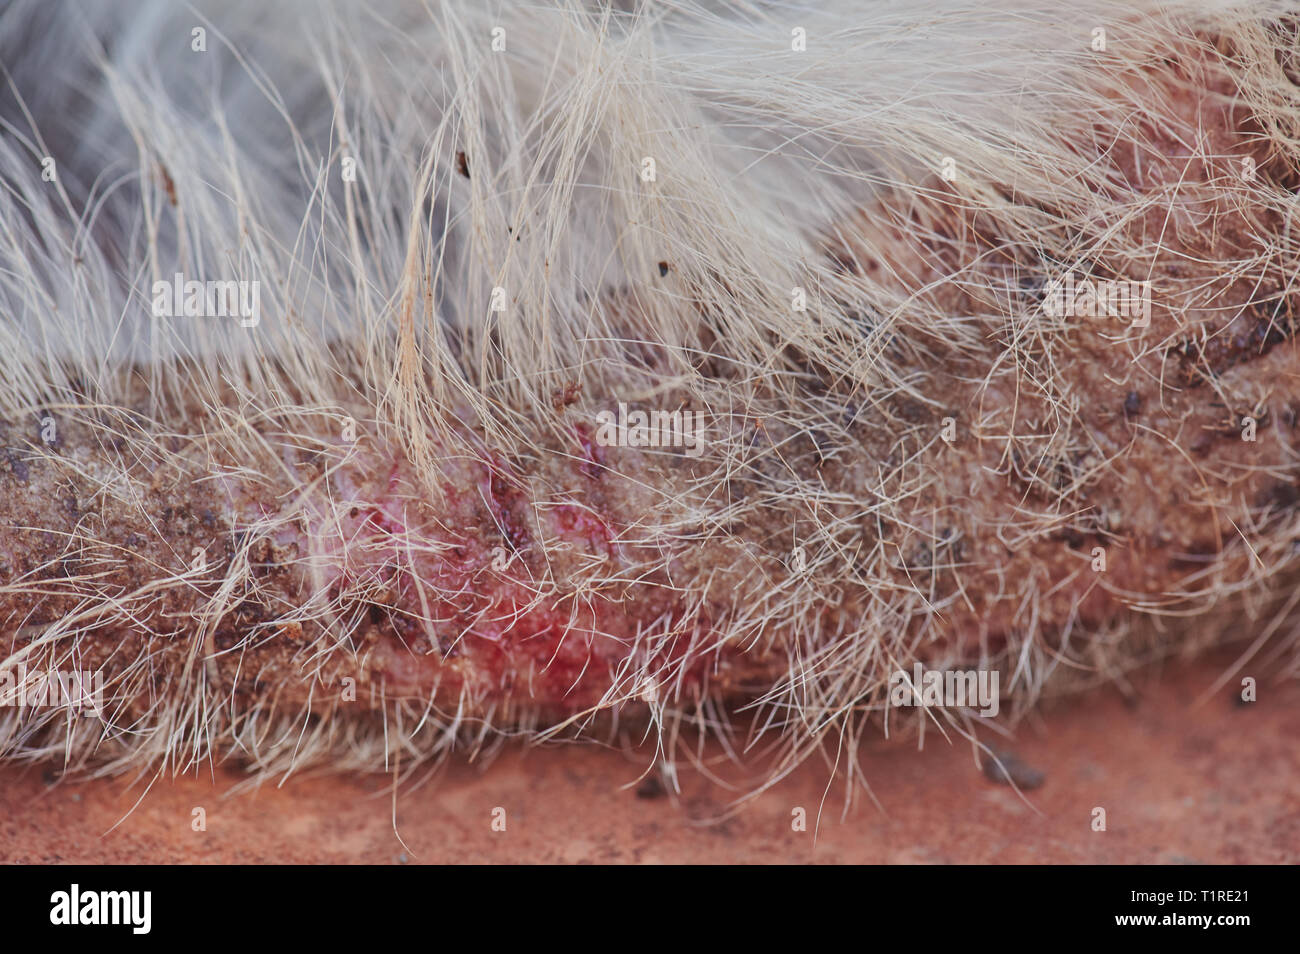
593 454
480 609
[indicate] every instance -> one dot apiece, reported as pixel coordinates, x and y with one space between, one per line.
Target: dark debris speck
1006 768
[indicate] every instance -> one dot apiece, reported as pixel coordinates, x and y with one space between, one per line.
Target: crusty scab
345 573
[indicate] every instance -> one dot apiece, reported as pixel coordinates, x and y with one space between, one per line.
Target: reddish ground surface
1179 783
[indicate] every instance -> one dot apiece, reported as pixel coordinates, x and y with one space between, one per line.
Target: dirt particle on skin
651 787
1132 405
1006 768
168 184
17 466
563 397
1247 337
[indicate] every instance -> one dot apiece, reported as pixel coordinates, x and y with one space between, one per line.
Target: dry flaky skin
392 595
1112 434
479 606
